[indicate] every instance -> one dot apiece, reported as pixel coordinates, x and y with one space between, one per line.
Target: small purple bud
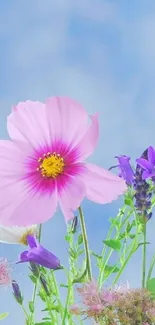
147 204
74 225
44 285
34 269
149 216
17 292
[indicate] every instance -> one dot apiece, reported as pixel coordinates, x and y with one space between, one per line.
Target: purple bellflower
148 164
39 255
145 168
125 170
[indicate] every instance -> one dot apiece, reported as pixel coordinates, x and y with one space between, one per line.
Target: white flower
17 235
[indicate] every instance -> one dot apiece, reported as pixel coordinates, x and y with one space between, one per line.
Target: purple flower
17 292
142 191
39 255
148 165
125 168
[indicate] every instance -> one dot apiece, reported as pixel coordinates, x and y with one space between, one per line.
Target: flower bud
34 269
44 285
17 292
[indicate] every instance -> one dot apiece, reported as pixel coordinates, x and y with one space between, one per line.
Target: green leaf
42 296
81 277
130 226
80 239
31 306
3 315
110 269
113 243
132 236
80 252
151 286
56 308
67 238
72 253
64 285
43 270
96 255
128 201
114 222
122 235
43 323
140 244
33 278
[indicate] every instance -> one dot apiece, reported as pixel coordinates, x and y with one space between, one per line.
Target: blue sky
101 53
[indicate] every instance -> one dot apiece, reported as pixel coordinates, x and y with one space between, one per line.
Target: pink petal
28 122
71 196
67 119
12 194
34 209
89 140
12 157
102 186
20 204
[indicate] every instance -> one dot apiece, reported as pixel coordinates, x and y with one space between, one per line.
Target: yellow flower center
51 165
23 239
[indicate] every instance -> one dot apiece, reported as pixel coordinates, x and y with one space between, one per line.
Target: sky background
101 53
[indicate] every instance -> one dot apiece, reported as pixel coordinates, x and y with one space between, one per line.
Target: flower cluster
142 192
5 274
146 162
117 306
43 166
137 179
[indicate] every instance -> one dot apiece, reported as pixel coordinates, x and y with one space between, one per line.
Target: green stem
85 240
133 248
67 301
56 291
50 311
144 258
25 312
36 284
150 269
122 223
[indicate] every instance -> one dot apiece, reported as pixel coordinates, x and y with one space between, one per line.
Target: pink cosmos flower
5 276
43 163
